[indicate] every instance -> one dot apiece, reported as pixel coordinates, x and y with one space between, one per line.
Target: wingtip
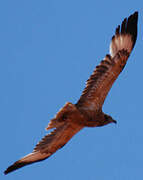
136 13
129 26
14 167
132 26
35 156
125 35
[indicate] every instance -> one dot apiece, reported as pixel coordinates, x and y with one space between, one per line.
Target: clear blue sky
48 49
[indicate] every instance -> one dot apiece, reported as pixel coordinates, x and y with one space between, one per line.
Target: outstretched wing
48 145
107 71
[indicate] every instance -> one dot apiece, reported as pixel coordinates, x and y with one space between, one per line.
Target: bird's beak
113 121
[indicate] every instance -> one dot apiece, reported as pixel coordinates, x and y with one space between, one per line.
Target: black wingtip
131 27
15 166
128 26
21 163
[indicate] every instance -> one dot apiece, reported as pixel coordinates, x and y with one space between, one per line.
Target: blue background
48 49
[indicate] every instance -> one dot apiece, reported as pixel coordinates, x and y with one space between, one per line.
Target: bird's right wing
107 71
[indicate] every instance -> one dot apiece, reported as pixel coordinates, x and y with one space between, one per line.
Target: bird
87 112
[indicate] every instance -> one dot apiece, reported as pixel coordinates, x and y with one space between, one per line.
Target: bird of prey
87 112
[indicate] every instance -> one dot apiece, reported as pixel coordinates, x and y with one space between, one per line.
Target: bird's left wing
48 145
107 71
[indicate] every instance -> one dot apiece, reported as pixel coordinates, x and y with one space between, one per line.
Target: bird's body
87 112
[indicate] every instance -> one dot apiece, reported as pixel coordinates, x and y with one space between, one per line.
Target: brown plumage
87 112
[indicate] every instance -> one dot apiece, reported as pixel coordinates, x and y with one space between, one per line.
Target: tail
125 36
29 159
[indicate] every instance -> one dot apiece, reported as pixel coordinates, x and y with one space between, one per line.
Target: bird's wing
107 71
48 145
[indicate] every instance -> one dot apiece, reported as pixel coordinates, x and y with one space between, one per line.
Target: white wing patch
120 42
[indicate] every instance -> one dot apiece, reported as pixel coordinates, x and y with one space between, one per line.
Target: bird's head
108 119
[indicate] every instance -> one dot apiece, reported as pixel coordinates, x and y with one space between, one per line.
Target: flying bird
87 112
